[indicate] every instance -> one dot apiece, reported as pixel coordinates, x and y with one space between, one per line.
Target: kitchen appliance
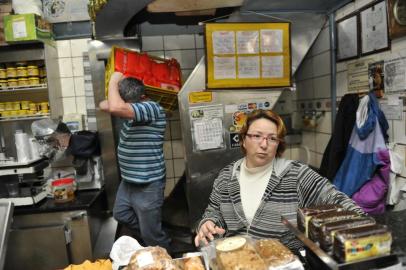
23 183
83 145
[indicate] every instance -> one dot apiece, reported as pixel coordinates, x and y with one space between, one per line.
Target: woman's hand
206 232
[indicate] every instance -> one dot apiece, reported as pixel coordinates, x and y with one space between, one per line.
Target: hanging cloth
367 139
337 146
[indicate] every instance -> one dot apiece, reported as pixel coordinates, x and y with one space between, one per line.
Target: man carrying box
140 195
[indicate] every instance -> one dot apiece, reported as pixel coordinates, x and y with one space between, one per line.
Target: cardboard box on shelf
5 7
27 27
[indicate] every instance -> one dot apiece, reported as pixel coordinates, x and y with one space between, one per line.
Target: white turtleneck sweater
253 182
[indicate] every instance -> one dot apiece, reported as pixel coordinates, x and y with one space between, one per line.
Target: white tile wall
324 125
199 39
152 43
170 184
322 141
77 66
176 130
63 48
321 64
177 42
68 87
322 42
305 89
308 140
169 168
177 149
79 86
186 58
69 105
65 67
168 150
399 130
306 69
179 167
322 87
81 105
341 84
79 46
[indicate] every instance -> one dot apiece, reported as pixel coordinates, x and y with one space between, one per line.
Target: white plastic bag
122 249
27 6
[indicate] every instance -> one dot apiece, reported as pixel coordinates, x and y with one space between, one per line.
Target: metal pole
333 71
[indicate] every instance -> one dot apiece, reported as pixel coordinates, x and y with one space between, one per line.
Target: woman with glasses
250 195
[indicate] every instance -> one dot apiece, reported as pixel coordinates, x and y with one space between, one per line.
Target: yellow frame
260 82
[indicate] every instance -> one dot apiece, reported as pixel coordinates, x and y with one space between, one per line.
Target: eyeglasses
271 139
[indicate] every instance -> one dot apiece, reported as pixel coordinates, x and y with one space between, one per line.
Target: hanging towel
366 141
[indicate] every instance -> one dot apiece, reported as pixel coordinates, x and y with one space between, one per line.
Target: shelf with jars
30 89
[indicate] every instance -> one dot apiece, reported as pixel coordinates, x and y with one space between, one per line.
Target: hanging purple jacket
372 195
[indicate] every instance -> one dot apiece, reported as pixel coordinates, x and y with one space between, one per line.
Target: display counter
316 258
51 235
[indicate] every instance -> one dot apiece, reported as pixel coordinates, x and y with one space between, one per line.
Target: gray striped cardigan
291 185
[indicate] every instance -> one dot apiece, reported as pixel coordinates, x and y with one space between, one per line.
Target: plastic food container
64 189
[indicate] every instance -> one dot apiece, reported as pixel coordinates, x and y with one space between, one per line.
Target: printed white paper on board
223 42
224 68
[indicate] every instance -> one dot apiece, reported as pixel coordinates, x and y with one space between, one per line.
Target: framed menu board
247 55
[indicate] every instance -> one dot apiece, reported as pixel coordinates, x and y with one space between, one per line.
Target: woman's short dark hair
271 116
131 89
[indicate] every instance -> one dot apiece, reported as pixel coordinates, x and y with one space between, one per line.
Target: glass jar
16 105
22 72
33 80
3 73
33 106
11 72
3 83
12 82
32 70
63 189
8 106
23 82
25 105
43 106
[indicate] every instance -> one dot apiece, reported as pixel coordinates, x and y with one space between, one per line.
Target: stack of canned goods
22 74
23 108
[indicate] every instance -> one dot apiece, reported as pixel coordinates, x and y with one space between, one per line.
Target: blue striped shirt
140 149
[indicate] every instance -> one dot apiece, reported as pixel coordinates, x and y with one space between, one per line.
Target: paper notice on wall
248 67
395 74
223 42
247 42
357 72
392 112
56 11
19 29
271 40
207 127
272 66
224 67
